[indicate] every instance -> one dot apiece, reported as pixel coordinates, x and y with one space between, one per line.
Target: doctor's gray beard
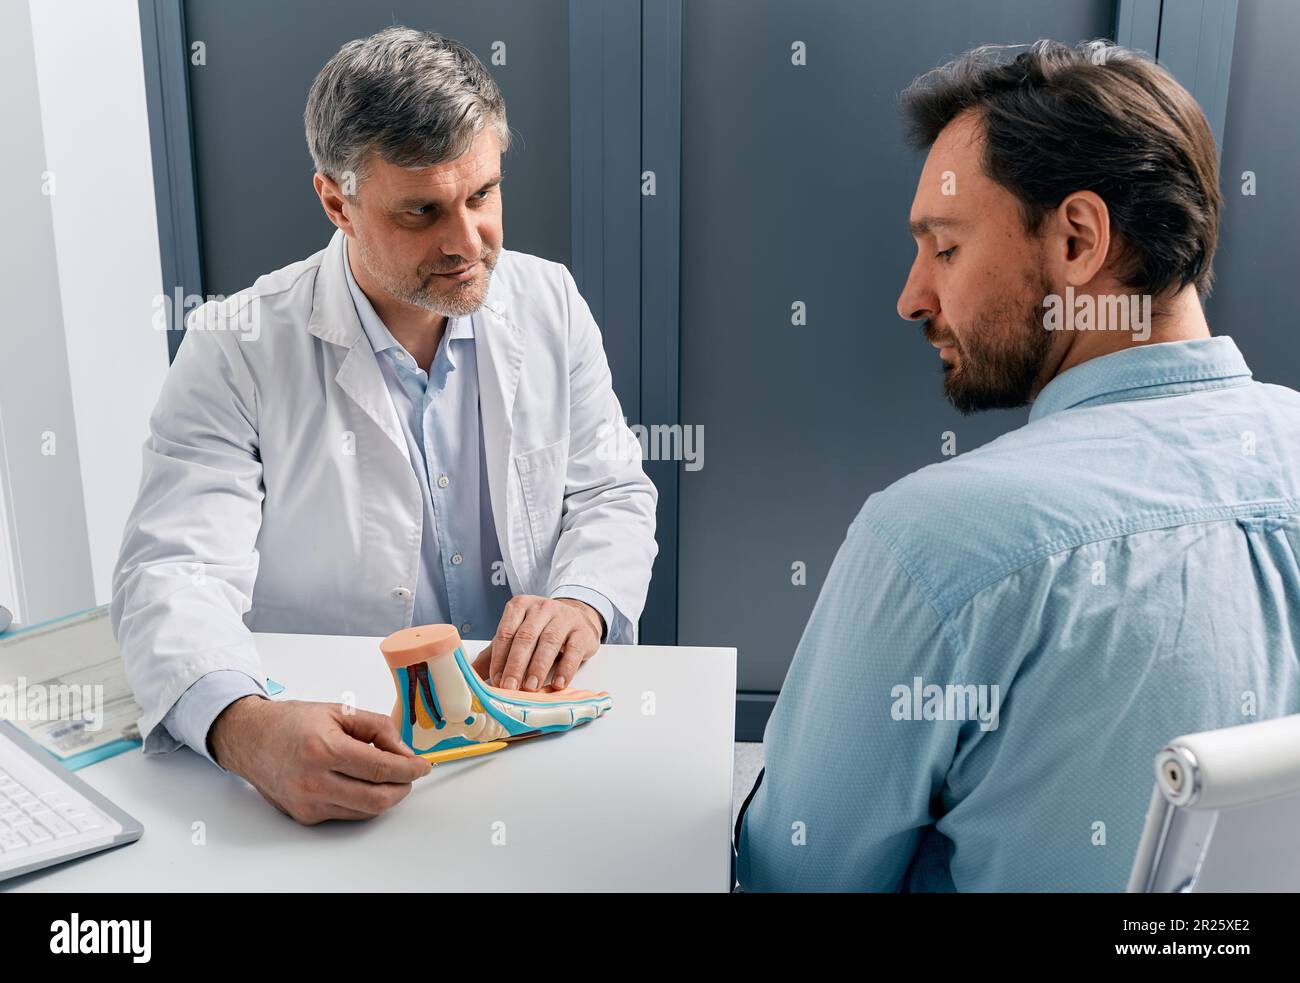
430 293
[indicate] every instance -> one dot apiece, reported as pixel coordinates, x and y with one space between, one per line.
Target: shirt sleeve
603 605
192 716
852 781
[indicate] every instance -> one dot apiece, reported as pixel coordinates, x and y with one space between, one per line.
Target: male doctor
409 427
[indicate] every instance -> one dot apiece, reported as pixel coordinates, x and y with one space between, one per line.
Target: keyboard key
35 834
43 815
55 825
11 841
84 821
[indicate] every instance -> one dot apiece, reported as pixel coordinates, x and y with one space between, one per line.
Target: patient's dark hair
1097 117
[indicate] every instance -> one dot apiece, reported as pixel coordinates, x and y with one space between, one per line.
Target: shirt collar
381 339
1145 371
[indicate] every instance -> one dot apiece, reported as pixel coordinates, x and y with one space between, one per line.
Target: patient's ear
1081 241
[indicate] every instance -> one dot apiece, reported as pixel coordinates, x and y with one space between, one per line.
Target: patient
1006 639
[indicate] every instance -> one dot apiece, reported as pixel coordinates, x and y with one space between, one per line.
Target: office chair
1224 812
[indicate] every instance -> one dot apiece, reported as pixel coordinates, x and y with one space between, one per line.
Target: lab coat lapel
498 345
334 319
360 377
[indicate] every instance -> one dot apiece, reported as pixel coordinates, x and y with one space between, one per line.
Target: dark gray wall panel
1259 239
257 209
796 186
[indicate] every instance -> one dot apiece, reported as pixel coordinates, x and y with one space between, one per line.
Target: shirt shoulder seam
1085 536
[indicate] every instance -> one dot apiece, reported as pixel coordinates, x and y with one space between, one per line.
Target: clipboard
63 685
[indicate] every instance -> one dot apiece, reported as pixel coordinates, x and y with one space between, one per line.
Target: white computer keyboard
40 814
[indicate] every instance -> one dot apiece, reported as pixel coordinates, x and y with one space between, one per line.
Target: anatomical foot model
443 706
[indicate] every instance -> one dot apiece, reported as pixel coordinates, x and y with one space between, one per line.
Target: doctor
411 426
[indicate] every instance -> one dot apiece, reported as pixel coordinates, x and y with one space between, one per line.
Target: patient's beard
1001 354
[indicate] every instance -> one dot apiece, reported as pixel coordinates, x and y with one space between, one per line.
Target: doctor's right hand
316 761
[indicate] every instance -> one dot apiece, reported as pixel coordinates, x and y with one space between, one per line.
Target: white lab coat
278 494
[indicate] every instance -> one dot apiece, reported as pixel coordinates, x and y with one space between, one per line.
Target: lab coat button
401 593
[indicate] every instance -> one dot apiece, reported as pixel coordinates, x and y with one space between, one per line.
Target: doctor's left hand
536 634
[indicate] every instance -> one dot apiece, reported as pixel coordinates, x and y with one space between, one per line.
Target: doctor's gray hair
413 97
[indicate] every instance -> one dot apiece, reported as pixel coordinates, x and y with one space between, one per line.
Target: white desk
632 801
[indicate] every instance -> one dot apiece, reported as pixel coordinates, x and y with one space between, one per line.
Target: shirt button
456 558
444 481
464 629
401 593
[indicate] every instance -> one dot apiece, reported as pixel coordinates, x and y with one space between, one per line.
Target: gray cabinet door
795 189
1259 234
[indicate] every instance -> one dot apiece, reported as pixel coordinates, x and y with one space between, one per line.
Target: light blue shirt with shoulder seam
461 580
1123 569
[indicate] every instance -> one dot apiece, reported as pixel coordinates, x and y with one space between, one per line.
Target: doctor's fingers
343 745
576 644
537 643
511 618
331 795
577 650
377 729
556 637
309 813
371 798
361 761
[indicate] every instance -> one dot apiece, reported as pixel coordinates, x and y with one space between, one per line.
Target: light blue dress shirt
462 579
439 415
1125 568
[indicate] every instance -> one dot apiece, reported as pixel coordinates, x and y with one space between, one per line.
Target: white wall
42 479
10 581
78 354
91 79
